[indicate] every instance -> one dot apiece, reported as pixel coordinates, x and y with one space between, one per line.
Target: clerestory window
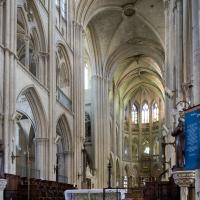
134 114
155 112
145 113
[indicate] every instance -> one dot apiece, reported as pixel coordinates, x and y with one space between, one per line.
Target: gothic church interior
85 83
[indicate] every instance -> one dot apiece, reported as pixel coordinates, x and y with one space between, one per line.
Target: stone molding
184 178
3 183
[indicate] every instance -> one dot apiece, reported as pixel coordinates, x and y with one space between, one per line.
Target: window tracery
155 112
62 70
134 114
145 113
29 42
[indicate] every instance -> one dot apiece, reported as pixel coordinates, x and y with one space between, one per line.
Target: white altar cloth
69 193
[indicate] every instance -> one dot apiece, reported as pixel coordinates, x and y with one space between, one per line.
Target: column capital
184 178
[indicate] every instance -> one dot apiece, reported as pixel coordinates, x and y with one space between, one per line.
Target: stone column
101 130
41 146
197 184
185 39
52 90
195 51
68 157
179 49
78 102
169 70
9 100
113 140
184 179
168 62
3 183
1 20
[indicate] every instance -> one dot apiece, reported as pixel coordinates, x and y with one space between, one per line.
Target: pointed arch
63 70
145 112
63 129
63 142
155 112
31 40
31 130
32 6
134 113
37 108
22 21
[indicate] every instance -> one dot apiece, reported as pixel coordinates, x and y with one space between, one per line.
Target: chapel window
145 113
134 114
155 112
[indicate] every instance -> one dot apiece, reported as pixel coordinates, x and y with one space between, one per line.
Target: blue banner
192 138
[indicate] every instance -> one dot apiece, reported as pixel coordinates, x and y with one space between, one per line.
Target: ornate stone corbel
184 179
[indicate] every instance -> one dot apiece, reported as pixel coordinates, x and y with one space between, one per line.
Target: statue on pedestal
178 133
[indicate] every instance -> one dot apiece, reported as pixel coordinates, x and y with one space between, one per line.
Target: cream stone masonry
137 52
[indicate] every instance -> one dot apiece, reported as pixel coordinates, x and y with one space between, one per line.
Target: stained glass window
145 113
134 114
155 112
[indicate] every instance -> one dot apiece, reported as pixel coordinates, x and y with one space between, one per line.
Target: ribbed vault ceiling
127 38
